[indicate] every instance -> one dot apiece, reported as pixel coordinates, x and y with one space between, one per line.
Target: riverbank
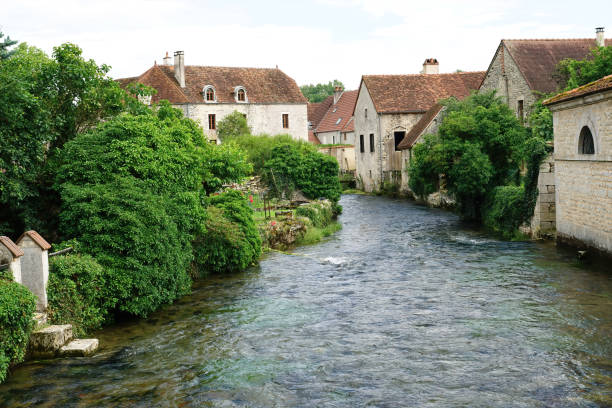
424 312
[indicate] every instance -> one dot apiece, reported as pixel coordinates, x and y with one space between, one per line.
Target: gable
339 115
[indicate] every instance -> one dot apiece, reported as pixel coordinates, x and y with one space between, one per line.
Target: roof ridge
549 39
219 66
426 75
172 81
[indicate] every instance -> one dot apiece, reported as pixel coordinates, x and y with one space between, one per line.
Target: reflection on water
403 307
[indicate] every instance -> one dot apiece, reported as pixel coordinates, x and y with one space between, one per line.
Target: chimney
179 67
167 59
431 66
599 37
337 94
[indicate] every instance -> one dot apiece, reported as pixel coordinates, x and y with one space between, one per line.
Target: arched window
586 144
240 94
209 94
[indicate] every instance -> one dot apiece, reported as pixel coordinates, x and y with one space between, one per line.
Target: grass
314 234
355 191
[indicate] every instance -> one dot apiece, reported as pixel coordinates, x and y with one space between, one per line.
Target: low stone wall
543 223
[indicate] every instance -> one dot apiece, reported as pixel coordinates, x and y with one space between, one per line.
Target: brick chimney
431 66
599 37
337 94
179 67
167 59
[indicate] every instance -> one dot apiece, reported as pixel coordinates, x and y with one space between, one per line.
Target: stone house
582 121
388 107
270 100
522 71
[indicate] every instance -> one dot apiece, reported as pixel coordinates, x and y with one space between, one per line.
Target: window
371 142
212 121
520 111
285 121
241 95
361 144
365 111
399 136
586 144
209 94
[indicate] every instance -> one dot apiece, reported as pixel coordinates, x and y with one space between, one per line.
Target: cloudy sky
312 41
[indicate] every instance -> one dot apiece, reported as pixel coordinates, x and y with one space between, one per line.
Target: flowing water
404 307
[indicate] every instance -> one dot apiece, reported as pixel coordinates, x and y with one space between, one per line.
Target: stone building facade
271 101
582 120
387 108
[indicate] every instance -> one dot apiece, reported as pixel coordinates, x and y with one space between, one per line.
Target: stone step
46 342
79 348
40 320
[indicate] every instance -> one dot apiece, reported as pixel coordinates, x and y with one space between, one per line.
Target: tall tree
574 73
4 46
318 92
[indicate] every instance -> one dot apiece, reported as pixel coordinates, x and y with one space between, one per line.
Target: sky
311 41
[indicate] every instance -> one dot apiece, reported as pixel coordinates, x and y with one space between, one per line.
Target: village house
522 72
388 107
269 99
316 112
582 121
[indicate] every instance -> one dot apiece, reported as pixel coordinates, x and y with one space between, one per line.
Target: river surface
404 307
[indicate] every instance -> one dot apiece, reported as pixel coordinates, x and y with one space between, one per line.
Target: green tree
4 47
574 73
319 92
232 126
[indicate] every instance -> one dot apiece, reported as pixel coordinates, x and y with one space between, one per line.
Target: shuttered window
212 121
285 121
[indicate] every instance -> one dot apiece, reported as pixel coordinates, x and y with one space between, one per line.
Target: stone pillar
10 254
35 266
544 213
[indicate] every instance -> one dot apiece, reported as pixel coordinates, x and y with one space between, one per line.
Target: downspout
380 144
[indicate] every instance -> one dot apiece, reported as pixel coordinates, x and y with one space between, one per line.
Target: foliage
131 191
319 92
231 126
17 306
225 163
4 47
479 146
78 293
504 210
231 241
44 102
259 148
574 73
319 215
536 151
301 166
540 121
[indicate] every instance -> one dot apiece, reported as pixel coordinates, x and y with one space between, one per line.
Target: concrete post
10 254
35 266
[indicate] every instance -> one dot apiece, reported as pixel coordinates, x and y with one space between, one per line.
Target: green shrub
319 215
231 241
17 306
77 293
259 148
504 211
232 126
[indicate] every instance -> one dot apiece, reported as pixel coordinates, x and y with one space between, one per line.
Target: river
404 307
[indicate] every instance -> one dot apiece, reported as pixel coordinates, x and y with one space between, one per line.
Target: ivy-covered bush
302 167
231 241
78 294
17 306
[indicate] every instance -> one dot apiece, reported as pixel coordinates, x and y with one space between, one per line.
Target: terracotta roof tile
35 236
538 59
312 138
316 111
350 126
339 115
416 131
602 84
417 93
263 85
10 245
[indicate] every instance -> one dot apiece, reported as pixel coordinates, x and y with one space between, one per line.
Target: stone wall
584 181
505 77
262 118
344 155
543 222
368 164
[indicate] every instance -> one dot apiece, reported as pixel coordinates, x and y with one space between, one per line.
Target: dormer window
209 94
240 94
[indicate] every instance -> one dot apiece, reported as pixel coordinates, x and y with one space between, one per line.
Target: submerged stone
80 348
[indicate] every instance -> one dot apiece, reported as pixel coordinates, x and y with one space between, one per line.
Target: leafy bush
573 73
320 215
77 293
300 166
17 306
504 211
231 241
259 148
232 126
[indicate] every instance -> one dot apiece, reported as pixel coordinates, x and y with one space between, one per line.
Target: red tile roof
312 138
600 85
338 115
38 240
417 93
538 59
10 245
316 111
350 126
263 85
416 131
